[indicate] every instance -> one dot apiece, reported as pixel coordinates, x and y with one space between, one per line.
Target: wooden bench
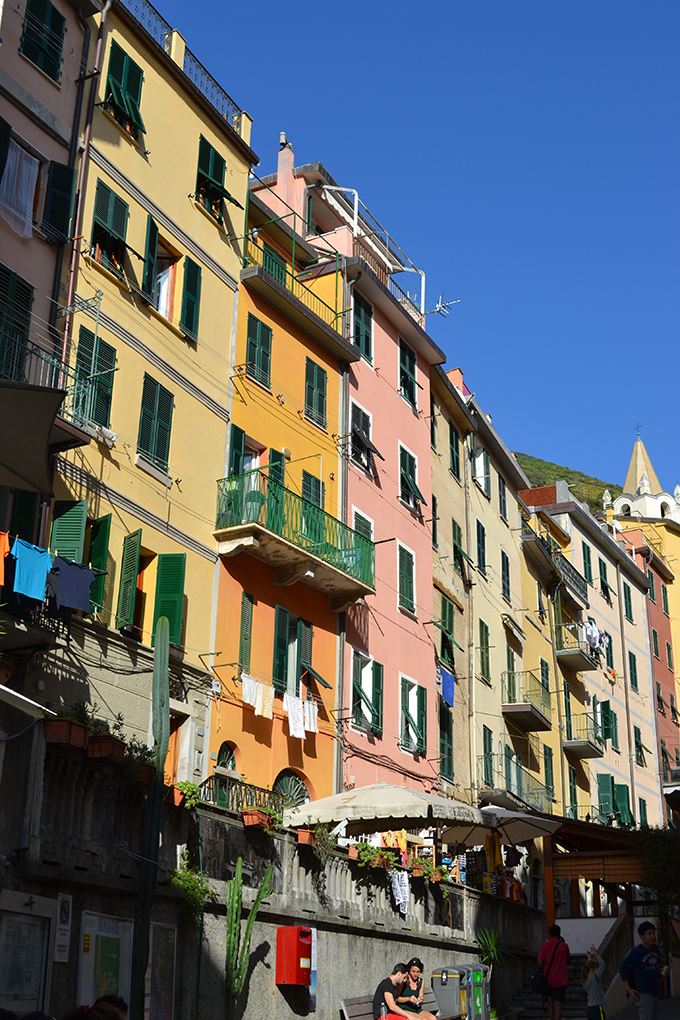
362 1008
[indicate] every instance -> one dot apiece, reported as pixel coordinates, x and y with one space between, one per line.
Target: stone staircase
531 1006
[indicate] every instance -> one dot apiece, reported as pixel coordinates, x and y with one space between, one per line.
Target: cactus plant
238 951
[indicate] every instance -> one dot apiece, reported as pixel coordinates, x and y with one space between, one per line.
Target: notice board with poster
24 941
105 961
159 997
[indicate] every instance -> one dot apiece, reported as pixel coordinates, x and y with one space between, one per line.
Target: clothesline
39 577
316 698
302 715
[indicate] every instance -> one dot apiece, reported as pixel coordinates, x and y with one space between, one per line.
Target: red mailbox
293 955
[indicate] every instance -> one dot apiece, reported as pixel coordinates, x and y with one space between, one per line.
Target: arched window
625 509
665 509
226 758
291 787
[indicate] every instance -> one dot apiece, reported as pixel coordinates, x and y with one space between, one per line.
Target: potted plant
417 869
140 761
267 818
190 792
305 836
375 857
70 727
324 842
490 949
104 745
175 796
353 852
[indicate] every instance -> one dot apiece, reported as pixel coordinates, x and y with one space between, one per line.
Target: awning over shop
27 414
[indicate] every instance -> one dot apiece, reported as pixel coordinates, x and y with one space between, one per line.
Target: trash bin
478 998
448 985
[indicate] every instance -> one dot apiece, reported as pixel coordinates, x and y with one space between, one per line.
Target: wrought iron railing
673 777
254 498
371 260
151 21
566 640
235 795
406 302
503 772
583 727
526 688
23 361
213 92
255 255
571 575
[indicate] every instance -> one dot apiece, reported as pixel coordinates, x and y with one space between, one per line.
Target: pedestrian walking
640 972
554 956
591 973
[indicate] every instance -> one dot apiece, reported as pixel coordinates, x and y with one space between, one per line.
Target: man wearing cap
642 964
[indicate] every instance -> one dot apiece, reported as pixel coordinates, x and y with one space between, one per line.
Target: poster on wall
62 938
105 958
159 997
23 961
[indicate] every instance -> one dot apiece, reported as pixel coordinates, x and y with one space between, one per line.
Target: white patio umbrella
384 806
513 827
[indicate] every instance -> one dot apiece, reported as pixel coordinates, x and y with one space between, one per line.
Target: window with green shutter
573 793
407 373
622 804
280 666
655 643
59 201
237 445
406 580
505 575
609 651
605 590
458 554
312 489
408 483
445 742
669 655
150 259
448 616
665 761
605 794
481 548
123 94
363 526
315 393
258 351
487 757
210 189
413 717
549 775
155 423
502 497
24 508
664 598
454 451
246 632
95 371
69 518
191 299
484 656
587 563
511 676
567 713
277 466
43 37
169 602
639 747
652 588
632 670
614 722
16 300
434 520
433 423
129 569
367 693
109 229
362 327
642 812
627 602
545 673
99 557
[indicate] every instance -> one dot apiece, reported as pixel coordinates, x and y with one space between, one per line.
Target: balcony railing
151 21
568 640
253 498
584 727
255 255
22 361
502 772
571 575
672 776
406 302
213 92
235 795
525 687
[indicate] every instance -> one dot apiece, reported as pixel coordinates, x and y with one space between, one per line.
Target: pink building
388 697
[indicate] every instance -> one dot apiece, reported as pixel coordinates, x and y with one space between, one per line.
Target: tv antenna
444 307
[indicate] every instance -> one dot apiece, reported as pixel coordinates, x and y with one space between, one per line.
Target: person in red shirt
554 956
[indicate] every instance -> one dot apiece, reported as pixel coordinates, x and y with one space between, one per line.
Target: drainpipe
82 182
631 748
472 738
73 152
558 677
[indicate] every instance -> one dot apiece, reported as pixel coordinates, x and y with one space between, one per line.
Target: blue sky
525 155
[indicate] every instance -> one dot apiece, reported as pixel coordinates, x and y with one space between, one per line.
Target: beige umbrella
383 806
513 827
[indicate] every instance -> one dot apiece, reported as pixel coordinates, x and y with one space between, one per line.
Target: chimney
455 377
285 177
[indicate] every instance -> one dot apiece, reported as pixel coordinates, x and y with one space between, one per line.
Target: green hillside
583 487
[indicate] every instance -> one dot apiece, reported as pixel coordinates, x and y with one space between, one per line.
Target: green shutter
615 730
609 652
454 450
605 793
545 674
246 631
481 547
118 217
99 555
102 385
655 643
642 806
170 594
133 92
487 472
587 563
664 598
505 575
150 258
421 696
406 579
363 326
434 520
23 514
191 298
606 717
68 529
357 689
102 201
484 659
280 667
277 467
43 36
445 743
573 791
377 723
548 769
433 423
627 601
622 803
315 392
632 668
311 488
567 712
129 569
237 445
652 589
59 198
147 418
5 135
407 373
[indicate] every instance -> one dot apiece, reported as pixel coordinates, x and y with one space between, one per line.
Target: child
590 978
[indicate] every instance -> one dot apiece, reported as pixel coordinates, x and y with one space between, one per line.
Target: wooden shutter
246 631
5 135
622 803
117 65
615 730
377 722
406 579
265 354
147 418
69 518
280 667
129 569
484 661
454 450
357 689
102 201
605 793
133 92
448 614
505 575
169 601
481 547
163 427
59 198
434 520
445 742
237 445
252 346
102 385
23 514
277 467
632 668
204 158
150 257
99 555
191 298
362 526
587 563
85 354
363 322
548 769
487 472
311 488
404 728
421 695
627 601
118 217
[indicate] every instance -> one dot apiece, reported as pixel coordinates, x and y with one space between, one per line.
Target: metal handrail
566 640
254 254
151 21
236 795
525 687
23 361
506 773
254 498
585 727
213 92
571 575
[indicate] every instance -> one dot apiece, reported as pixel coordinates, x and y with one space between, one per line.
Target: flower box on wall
256 816
305 836
176 796
106 748
66 732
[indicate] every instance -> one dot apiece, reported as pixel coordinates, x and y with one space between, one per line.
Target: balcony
573 651
584 737
575 581
671 786
538 550
300 540
24 362
504 781
525 701
233 794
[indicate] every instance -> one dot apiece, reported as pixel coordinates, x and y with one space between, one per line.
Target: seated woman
413 992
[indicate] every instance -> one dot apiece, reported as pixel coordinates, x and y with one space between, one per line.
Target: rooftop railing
151 21
255 254
503 772
213 92
254 498
23 361
525 687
